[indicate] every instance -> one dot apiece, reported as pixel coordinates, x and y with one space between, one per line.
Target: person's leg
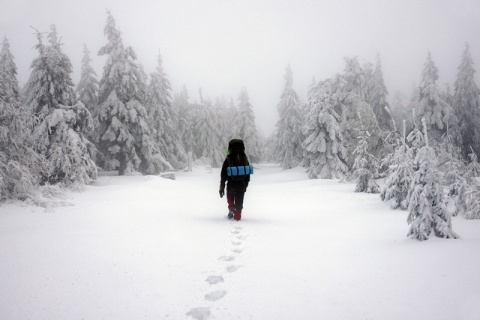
231 205
231 201
238 205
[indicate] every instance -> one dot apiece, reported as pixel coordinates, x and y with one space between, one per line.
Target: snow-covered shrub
60 137
397 183
427 211
471 188
472 202
365 167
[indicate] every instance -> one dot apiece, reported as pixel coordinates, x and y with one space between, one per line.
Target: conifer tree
288 144
377 98
450 163
232 117
439 116
355 81
185 116
18 163
8 70
324 150
471 189
224 121
61 123
124 134
163 118
397 184
207 135
465 192
467 104
357 113
473 168
401 111
472 202
427 211
87 88
365 167
247 130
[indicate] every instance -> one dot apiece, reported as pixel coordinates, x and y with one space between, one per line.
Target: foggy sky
223 46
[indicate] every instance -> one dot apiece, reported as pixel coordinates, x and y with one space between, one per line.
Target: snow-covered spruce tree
469 197
464 183
185 119
224 122
427 211
61 122
247 130
400 112
288 142
397 184
163 118
323 147
365 167
87 93
87 88
8 70
472 202
17 160
232 118
125 141
357 113
377 98
451 164
473 168
354 79
439 116
467 104
207 143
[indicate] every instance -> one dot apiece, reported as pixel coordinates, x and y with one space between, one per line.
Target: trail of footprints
215 280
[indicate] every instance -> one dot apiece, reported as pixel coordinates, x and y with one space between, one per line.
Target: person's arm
223 178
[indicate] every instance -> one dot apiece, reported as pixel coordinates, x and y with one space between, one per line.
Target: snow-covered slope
143 247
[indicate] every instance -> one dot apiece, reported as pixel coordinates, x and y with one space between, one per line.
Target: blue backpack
238 166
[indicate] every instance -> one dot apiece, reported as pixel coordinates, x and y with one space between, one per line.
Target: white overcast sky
223 46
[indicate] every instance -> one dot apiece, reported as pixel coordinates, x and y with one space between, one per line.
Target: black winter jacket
232 185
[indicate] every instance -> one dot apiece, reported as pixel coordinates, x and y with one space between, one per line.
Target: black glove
221 191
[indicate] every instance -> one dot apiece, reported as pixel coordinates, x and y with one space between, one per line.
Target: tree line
56 133
421 155
53 133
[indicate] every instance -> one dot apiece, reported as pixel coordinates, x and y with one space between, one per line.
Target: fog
223 46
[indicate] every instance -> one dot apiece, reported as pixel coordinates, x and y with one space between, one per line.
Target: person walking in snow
236 172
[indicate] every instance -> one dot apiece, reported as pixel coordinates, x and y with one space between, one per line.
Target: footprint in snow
236 243
237 250
199 313
214 279
215 295
227 258
232 268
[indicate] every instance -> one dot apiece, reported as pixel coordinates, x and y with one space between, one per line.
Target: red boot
237 216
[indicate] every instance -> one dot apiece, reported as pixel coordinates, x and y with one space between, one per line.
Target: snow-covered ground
143 247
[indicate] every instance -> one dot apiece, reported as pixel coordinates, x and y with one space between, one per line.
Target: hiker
236 171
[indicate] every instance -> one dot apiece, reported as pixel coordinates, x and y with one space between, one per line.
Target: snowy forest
419 153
